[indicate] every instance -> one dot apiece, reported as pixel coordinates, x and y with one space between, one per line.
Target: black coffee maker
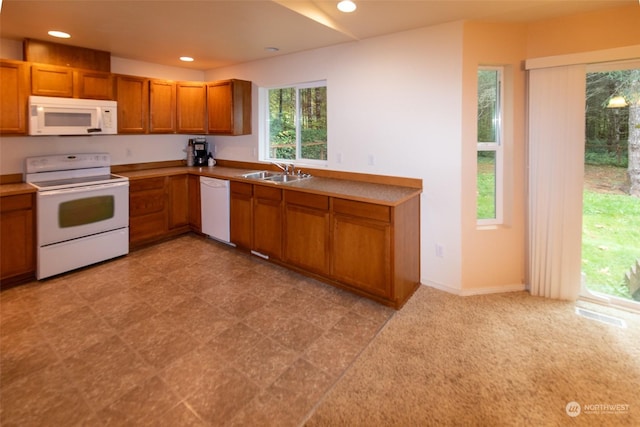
200 151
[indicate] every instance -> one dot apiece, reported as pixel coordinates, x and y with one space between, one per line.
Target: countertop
16 189
390 195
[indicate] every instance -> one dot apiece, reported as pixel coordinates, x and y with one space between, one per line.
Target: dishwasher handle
214 182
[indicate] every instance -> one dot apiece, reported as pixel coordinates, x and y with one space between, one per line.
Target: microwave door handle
99 128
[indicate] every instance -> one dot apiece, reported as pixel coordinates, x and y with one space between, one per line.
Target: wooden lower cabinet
241 214
17 238
178 201
158 208
148 215
195 212
375 249
306 231
361 247
267 221
371 249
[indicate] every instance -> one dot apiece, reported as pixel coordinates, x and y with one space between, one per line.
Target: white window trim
498 148
263 117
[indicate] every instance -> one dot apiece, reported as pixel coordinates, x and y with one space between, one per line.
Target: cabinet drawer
241 188
362 209
315 201
146 203
146 184
270 193
14 203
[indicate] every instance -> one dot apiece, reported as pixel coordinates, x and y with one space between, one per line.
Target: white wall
396 98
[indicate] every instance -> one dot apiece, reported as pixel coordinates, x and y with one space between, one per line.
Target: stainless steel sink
285 178
261 175
275 177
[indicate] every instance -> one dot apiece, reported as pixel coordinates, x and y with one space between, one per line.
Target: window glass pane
313 123
282 125
486 184
488 89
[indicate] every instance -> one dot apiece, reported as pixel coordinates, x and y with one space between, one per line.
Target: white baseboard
477 291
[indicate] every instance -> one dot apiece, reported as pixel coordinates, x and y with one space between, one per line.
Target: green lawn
610 240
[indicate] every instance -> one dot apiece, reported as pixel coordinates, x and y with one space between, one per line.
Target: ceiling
220 33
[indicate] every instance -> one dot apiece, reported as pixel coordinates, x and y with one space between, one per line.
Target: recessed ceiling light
271 49
186 59
59 34
346 6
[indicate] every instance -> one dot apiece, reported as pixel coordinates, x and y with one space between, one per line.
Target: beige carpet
494 360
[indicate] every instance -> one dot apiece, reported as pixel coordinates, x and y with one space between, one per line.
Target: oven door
70 213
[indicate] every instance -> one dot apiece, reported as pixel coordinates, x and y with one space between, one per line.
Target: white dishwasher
214 207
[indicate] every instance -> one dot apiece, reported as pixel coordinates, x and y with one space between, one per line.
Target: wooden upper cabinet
93 85
229 107
51 80
162 101
191 109
14 92
132 94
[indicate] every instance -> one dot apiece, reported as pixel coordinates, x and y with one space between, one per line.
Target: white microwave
70 116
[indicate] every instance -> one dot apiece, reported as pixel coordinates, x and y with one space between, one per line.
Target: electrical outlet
339 158
439 251
129 154
372 160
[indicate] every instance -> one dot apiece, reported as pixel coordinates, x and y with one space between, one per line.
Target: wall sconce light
617 102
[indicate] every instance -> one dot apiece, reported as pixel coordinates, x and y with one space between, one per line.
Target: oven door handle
83 189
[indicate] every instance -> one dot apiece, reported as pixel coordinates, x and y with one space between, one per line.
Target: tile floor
187 332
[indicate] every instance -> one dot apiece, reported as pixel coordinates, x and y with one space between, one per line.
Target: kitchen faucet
287 168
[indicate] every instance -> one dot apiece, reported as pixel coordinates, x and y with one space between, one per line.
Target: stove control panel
60 162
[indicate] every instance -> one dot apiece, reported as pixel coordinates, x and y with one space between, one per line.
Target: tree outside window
297 123
489 175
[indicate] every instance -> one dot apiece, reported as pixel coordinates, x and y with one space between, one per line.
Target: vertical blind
556 170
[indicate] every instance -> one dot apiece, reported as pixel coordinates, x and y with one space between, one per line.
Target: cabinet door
178 201
229 107
93 85
132 94
195 219
147 210
361 246
267 220
17 236
241 210
47 80
13 97
191 98
162 101
306 231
